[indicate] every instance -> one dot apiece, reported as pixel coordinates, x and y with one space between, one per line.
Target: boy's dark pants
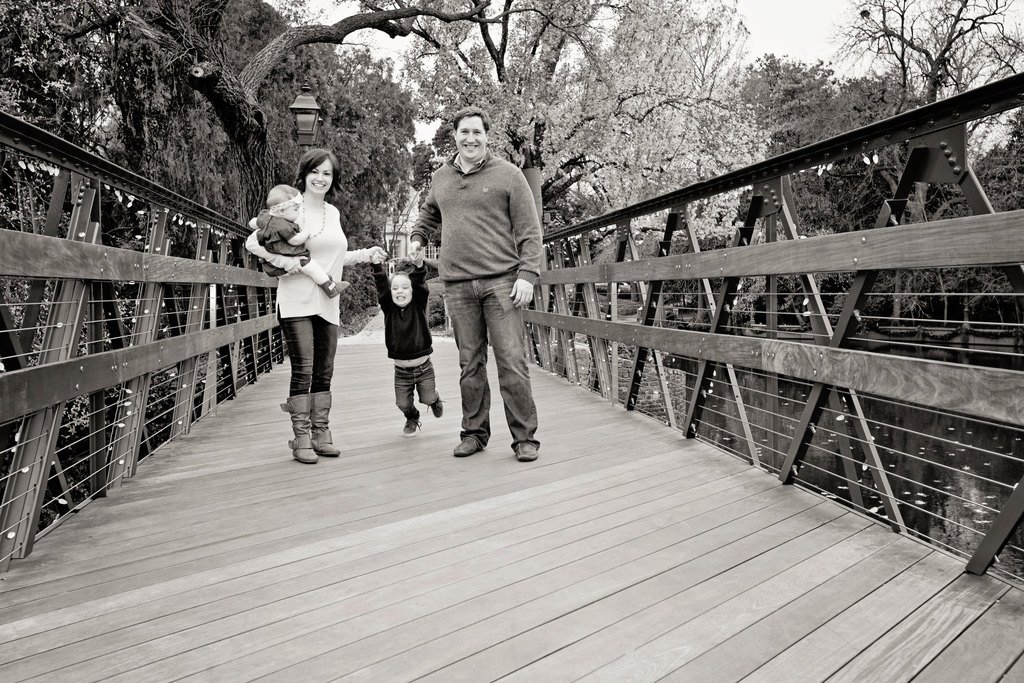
420 378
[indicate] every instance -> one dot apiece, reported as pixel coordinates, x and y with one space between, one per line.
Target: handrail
33 141
795 354
107 351
986 100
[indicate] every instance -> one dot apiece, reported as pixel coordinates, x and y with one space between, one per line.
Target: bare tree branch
386 21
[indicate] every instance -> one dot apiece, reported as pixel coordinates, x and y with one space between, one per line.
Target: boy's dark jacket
406 332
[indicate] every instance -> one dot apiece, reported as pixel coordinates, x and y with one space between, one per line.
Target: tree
191 36
44 77
570 93
935 47
82 79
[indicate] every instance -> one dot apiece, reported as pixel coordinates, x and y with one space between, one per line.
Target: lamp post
307 117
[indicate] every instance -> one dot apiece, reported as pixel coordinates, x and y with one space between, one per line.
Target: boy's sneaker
437 408
410 427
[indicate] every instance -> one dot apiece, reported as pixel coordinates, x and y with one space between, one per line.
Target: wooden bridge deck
624 553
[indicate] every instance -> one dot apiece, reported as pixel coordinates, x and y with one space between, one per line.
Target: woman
309 317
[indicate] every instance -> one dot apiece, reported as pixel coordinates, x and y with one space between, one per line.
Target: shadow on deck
623 553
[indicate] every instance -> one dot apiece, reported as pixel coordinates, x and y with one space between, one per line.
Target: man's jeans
420 378
482 310
311 342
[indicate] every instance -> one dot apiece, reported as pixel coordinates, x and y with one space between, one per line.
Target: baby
280 234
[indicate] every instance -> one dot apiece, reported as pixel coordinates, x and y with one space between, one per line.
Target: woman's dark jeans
420 378
311 342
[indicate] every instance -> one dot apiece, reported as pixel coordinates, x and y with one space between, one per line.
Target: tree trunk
245 124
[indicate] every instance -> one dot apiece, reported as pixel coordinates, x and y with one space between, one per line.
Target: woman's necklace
323 219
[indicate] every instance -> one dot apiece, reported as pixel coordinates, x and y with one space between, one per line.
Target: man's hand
378 255
417 258
415 250
522 293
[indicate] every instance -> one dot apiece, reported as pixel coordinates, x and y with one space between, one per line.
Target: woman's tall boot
301 445
321 417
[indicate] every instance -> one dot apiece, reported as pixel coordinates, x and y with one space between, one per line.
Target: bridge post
999 535
652 299
707 296
35 454
699 394
566 340
188 376
130 414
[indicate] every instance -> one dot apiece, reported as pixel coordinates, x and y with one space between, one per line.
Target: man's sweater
406 331
490 222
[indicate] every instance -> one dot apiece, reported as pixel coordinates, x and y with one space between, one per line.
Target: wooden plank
40 256
368 638
130 566
1016 672
398 560
347 570
345 609
440 492
528 512
650 609
902 652
192 506
746 651
988 648
659 658
508 640
24 391
989 393
985 240
828 648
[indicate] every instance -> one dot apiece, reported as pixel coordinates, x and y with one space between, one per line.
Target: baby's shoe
331 288
437 407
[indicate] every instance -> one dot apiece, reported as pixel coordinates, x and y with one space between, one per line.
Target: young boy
279 234
407 337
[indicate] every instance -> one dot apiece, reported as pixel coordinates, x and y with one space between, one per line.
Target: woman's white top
297 295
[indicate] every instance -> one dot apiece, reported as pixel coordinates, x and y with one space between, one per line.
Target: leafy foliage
48 79
568 92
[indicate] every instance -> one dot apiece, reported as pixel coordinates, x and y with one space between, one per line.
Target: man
489 262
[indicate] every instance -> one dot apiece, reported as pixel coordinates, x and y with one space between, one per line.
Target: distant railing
127 313
794 354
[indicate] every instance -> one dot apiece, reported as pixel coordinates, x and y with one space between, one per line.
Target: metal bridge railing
840 361
127 312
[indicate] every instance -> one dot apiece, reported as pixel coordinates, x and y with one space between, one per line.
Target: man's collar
475 167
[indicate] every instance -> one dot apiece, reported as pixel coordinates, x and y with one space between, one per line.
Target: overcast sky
800 29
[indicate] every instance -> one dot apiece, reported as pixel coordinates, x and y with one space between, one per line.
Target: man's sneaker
526 451
469 446
437 408
410 427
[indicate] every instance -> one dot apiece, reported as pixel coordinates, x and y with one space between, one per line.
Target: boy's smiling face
401 289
